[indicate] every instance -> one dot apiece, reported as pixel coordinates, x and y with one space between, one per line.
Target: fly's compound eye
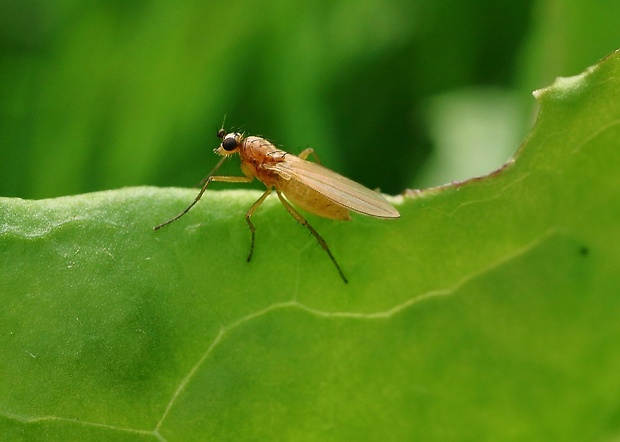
221 133
229 143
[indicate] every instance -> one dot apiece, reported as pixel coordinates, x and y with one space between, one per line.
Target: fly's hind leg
249 213
318 237
307 152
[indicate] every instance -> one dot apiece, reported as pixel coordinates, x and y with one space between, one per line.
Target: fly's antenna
222 130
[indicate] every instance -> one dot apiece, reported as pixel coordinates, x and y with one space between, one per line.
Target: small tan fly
306 184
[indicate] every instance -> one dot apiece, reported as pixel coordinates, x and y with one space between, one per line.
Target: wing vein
335 187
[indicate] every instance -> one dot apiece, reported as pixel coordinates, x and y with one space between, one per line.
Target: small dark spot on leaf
583 251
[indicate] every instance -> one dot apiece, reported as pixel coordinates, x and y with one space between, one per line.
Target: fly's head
231 142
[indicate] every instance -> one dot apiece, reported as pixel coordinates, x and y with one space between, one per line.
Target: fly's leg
226 179
307 152
305 223
210 176
249 213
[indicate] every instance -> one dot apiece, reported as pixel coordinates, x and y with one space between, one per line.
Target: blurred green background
105 94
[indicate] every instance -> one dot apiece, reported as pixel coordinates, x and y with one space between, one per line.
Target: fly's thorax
259 151
257 147
257 155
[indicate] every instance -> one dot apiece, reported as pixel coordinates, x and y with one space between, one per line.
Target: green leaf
488 311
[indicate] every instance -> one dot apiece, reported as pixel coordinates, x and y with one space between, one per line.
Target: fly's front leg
318 237
307 152
226 179
249 213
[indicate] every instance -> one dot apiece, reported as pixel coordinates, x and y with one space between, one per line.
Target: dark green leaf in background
98 95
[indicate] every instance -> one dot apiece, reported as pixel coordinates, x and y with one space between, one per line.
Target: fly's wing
335 187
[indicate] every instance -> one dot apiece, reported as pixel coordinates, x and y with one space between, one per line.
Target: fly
306 184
